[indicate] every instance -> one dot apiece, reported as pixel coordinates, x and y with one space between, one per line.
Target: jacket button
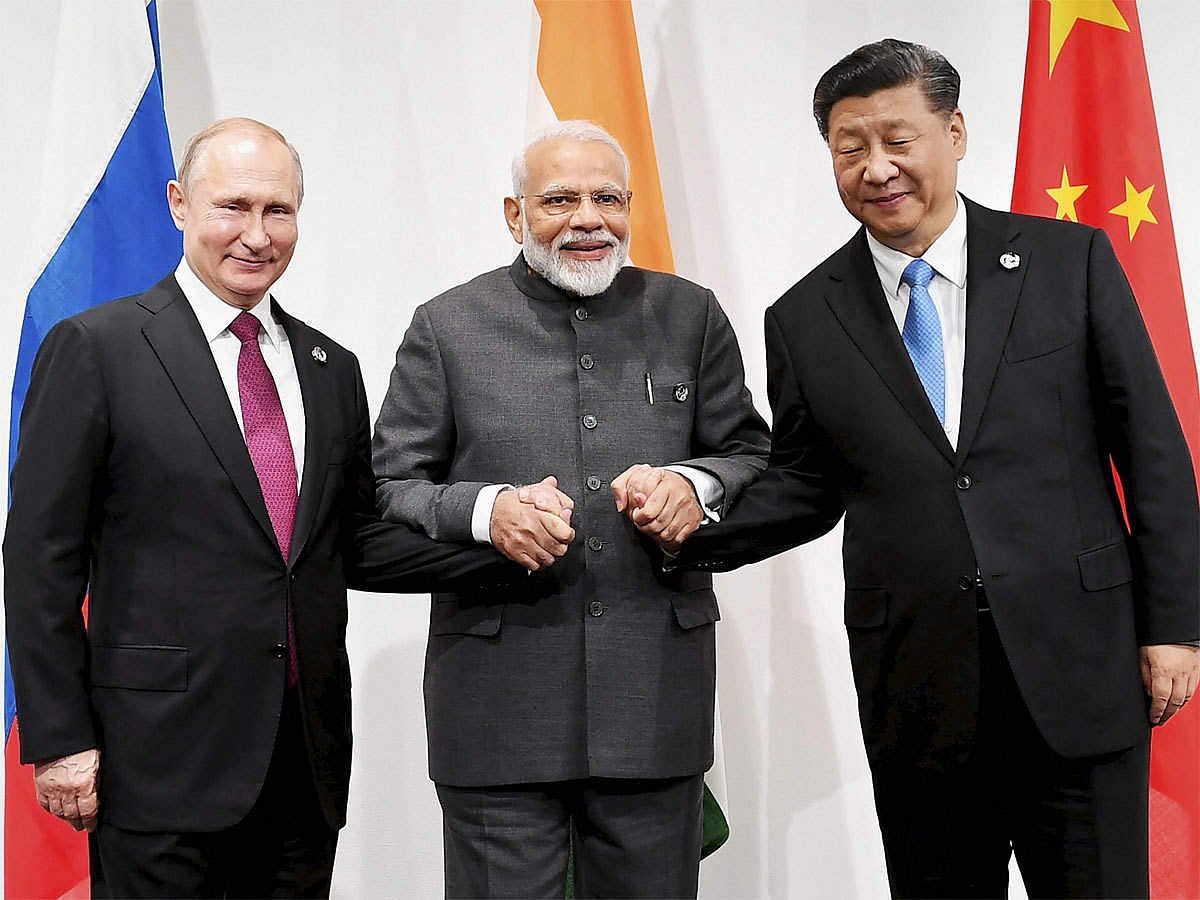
965 582
594 482
596 608
586 361
594 543
963 482
589 421
280 651
580 313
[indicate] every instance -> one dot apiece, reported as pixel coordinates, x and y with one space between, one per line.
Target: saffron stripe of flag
107 164
1088 151
605 85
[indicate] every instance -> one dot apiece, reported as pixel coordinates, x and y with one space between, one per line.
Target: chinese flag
1088 151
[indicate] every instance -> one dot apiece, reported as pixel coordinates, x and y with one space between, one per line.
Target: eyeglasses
561 203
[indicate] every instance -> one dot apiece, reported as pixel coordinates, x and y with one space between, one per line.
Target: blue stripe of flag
122 242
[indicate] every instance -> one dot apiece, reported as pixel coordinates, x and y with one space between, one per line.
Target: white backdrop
406 115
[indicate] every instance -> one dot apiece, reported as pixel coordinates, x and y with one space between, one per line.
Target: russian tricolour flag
107 164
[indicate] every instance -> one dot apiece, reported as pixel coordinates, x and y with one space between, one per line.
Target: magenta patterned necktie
268 442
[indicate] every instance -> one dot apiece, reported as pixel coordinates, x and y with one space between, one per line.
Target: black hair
886 64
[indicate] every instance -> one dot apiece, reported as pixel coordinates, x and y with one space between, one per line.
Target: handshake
531 525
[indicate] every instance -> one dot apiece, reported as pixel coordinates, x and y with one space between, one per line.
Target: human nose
879 167
586 215
254 234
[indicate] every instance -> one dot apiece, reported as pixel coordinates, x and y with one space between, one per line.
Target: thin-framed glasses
607 201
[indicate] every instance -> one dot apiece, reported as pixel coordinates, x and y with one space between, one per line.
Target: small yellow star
1065 13
1136 208
1065 196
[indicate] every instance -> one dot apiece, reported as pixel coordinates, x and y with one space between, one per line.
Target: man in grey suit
582 704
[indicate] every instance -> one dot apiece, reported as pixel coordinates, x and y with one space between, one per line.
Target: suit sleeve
1141 431
795 500
414 443
730 439
388 556
56 498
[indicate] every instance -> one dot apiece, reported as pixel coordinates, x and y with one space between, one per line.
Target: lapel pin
681 392
318 353
1010 260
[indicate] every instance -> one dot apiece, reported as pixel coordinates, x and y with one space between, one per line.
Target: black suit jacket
133 476
1060 378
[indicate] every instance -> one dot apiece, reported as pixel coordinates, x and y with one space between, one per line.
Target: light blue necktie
923 335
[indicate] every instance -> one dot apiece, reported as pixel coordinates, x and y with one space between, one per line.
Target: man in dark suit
581 702
198 461
960 382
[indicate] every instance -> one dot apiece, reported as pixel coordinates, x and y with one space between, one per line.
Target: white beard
584 277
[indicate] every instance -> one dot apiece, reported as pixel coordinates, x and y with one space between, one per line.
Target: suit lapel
992 293
856 298
175 335
318 427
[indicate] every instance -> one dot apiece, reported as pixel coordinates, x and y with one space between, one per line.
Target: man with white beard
577 710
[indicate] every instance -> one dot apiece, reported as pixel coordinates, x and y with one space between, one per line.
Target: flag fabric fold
107 164
1088 151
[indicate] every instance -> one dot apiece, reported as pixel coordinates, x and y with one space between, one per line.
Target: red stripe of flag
1088 151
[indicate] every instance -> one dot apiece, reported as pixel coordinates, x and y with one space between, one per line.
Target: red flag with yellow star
1088 151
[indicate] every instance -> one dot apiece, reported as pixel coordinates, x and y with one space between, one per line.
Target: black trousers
630 838
282 848
1078 827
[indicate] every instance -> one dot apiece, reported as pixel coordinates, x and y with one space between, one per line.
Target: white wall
406 115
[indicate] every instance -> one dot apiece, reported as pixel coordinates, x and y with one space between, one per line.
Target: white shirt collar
947 254
215 314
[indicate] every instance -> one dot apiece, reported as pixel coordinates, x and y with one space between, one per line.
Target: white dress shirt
948 289
215 317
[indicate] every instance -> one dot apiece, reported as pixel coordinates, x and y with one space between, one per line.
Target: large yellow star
1065 13
1065 196
1136 208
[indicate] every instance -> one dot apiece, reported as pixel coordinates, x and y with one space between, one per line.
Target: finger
555 529
55 806
89 809
619 489
565 500
527 561
1160 696
656 502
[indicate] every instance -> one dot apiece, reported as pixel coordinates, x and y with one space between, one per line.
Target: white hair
569 130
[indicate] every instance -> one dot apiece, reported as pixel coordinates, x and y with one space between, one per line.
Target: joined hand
660 502
531 525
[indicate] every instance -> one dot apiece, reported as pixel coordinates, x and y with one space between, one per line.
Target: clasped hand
531 525
660 502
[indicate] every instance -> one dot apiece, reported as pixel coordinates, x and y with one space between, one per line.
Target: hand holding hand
66 787
546 496
660 502
526 534
1169 674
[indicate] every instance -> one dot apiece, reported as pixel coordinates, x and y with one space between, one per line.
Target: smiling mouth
889 200
587 249
249 262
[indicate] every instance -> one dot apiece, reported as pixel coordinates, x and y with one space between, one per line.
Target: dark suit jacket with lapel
132 475
600 666
1059 378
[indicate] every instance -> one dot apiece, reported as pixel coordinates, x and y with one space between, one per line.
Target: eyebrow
555 188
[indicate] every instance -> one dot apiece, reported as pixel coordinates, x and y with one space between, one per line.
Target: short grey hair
198 141
568 130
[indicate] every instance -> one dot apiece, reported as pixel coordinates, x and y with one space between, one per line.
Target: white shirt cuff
709 491
481 514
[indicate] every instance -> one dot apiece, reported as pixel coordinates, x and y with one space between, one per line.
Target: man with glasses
577 709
